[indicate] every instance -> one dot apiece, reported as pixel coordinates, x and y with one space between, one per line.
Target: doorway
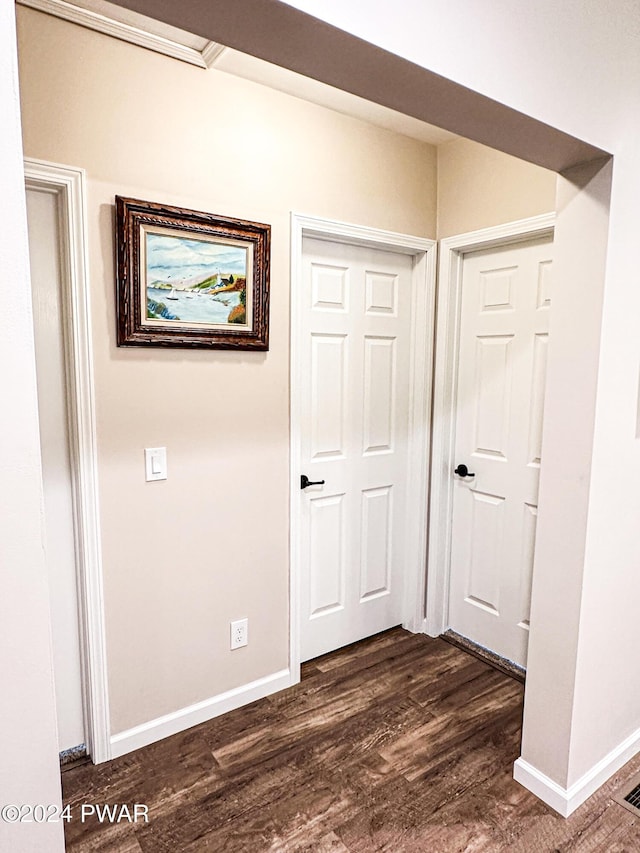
501 370
362 310
494 299
62 322
45 249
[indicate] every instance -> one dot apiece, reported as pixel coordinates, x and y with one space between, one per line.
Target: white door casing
67 185
504 332
360 493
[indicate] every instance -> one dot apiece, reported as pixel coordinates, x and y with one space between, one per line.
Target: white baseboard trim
178 721
566 800
545 789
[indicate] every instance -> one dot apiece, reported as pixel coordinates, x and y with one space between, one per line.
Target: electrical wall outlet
239 633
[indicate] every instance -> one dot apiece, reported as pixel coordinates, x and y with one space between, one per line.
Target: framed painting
190 279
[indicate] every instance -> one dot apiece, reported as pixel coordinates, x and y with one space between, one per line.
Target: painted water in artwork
195 281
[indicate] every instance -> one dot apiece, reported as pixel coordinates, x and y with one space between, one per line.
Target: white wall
29 770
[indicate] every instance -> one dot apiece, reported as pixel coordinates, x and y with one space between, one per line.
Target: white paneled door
355 349
504 331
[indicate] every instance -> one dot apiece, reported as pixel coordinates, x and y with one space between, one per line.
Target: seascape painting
192 280
189 278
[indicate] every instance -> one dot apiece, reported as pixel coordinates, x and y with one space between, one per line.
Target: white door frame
421 359
452 251
68 185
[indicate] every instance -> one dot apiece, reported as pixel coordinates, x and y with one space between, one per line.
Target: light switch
155 459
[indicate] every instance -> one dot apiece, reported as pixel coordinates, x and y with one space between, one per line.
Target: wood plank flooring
398 743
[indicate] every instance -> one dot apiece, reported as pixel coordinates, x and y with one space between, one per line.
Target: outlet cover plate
239 633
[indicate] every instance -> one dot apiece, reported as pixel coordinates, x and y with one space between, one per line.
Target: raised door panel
329 288
496 289
327 555
376 545
329 369
486 535
379 394
544 284
492 390
381 293
529 519
540 348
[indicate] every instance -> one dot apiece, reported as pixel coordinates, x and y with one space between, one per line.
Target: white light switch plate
155 463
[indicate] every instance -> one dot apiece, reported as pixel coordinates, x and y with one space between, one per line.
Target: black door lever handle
463 471
305 481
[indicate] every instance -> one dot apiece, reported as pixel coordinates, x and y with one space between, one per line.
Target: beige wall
184 557
479 187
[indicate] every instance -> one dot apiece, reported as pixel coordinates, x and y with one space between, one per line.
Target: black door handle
305 481
463 471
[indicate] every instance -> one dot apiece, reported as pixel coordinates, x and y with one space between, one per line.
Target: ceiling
146 32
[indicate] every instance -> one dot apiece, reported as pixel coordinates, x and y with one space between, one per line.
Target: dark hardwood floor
398 743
